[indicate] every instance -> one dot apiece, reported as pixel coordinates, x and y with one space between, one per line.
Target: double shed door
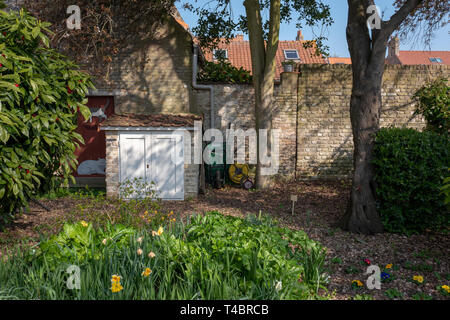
153 157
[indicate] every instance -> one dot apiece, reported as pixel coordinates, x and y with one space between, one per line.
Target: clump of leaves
223 72
40 94
422 296
434 105
393 293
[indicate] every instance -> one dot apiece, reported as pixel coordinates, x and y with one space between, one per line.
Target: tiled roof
152 120
239 54
335 60
423 57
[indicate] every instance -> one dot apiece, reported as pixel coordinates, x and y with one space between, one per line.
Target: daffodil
116 287
147 272
115 278
84 223
389 266
139 251
139 240
419 279
160 231
151 254
446 288
104 241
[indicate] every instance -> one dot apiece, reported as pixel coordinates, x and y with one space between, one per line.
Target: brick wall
152 75
313 112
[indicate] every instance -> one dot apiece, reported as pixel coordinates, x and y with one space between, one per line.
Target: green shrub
446 190
434 105
208 257
409 169
223 72
40 93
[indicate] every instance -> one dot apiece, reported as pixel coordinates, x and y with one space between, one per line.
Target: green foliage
393 293
224 72
446 190
409 169
363 297
40 93
79 242
422 296
217 21
209 257
434 105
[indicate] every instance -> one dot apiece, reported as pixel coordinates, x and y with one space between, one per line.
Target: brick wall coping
150 121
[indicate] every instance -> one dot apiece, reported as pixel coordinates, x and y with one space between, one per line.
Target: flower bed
208 257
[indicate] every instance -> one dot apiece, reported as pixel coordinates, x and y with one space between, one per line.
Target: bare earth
319 206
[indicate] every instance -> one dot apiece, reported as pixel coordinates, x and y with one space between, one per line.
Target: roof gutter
202 87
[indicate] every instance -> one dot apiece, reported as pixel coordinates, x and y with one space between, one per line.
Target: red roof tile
423 57
336 60
239 54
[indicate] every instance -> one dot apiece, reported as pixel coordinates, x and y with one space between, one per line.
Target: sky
337 41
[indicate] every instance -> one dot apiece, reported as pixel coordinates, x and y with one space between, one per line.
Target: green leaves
33 94
224 72
434 105
409 170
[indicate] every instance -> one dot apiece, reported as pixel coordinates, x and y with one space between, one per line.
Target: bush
40 93
209 257
434 105
223 72
409 169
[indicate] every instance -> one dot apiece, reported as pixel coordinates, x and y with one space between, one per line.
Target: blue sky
336 33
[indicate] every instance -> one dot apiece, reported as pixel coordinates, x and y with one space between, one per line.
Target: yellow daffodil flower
147 272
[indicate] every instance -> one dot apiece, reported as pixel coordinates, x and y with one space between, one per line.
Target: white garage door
153 157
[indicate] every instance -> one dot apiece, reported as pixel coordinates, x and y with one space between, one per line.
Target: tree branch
388 27
273 38
255 34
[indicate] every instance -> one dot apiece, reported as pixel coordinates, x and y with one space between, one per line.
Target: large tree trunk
367 50
263 70
365 108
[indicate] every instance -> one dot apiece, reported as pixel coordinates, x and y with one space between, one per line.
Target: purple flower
385 275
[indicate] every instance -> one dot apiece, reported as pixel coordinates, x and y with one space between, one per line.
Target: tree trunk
263 70
367 50
365 108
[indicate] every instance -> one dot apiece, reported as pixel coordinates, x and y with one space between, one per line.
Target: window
291 55
436 60
220 54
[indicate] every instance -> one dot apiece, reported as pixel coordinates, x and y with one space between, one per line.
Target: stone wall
313 112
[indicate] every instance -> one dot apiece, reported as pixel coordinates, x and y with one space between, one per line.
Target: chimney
394 47
299 36
239 37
